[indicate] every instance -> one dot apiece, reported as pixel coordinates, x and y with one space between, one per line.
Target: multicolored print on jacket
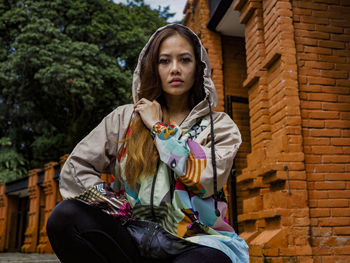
177 193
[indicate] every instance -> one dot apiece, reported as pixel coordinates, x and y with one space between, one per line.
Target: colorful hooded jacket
179 196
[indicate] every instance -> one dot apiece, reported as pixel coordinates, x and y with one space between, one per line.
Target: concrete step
28 258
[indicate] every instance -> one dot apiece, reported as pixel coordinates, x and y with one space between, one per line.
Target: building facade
282 71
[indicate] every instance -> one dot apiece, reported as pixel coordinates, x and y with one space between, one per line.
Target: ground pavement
28 258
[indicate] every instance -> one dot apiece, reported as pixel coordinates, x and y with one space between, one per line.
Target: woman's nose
174 67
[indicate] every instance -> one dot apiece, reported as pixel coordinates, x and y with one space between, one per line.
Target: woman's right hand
150 112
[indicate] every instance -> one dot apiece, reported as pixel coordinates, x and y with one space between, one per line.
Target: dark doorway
41 213
18 220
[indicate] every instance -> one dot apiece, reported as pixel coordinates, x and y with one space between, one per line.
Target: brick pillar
31 234
63 159
3 216
275 217
50 190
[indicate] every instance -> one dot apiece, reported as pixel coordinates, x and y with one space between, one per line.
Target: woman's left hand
150 112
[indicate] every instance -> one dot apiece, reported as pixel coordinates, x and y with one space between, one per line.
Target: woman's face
176 65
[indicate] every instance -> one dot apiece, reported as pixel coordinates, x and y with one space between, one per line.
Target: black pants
82 233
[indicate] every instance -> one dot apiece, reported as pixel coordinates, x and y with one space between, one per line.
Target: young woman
161 150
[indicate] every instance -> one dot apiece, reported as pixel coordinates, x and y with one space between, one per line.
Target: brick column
50 190
3 216
63 159
275 218
31 234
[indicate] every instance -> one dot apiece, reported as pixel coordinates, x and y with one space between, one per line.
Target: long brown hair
142 155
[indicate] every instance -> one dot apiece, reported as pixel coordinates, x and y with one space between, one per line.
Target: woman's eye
163 61
186 60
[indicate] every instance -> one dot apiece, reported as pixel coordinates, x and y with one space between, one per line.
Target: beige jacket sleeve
227 142
95 154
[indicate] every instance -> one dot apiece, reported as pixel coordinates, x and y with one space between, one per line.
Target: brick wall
294 186
322 36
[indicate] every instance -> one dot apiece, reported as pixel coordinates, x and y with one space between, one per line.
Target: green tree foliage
64 65
12 164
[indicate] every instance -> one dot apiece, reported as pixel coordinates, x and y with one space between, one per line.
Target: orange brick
297 184
345 133
320 80
342 230
311 5
342 66
342 250
341 141
334 74
340 37
337 259
271 252
318 65
322 96
335 221
336 106
320 212
329 185
331 59
318 50
313 123
343 98
331 44
314 194
252 204
340 9
311 105
302 11
339 193
316 141
307 41
324 115
337 124
343 82
336 159
340 212
315 176
326 149
308 56
314 20
329 29
333 203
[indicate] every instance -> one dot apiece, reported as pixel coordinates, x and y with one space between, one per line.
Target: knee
62 216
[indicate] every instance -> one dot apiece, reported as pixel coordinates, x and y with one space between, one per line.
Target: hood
202 108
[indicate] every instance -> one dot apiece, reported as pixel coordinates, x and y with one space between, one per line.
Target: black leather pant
82 233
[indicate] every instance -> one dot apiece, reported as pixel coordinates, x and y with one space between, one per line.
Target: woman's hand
150 112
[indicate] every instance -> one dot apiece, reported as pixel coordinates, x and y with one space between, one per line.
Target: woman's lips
176 83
